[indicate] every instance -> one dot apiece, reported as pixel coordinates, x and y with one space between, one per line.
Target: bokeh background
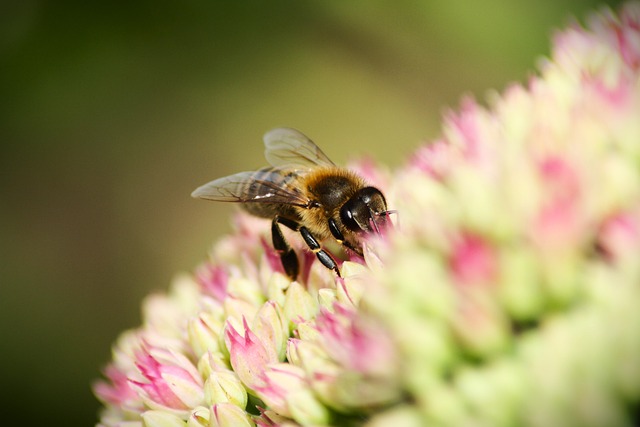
112 112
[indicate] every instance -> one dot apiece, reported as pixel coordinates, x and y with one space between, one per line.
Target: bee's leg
287 255
315 247
337 234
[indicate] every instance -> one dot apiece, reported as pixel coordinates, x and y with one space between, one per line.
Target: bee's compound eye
350 213
356 214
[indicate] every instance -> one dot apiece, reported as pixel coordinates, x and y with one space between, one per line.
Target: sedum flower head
507 294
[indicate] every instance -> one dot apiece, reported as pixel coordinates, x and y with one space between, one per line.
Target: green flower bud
229 415
224 386
162 419
299 305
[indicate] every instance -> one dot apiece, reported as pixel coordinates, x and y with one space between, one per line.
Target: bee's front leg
288 257
323 256
337 234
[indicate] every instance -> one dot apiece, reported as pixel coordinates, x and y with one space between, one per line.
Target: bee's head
365 211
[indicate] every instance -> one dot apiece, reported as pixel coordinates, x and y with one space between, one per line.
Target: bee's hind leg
288 257
323 256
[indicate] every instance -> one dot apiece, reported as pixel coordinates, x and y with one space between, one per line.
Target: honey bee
306 192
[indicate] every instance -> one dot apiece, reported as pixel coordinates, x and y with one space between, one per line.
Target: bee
305 191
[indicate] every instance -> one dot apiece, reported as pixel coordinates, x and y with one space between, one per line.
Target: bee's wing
284 146
256 186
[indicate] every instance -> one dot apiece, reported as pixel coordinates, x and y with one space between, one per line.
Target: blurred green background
112 112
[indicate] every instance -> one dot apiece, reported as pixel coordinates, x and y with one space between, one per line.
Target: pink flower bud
117 391
434 159
214 280
170 380
346 336
249 355
561 221
287 392
619 236
473 261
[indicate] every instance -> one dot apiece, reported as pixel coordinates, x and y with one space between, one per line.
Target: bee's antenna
387 213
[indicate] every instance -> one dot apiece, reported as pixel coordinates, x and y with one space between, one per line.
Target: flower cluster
508 293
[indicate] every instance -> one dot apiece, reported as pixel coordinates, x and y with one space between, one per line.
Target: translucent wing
284 146
263 186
